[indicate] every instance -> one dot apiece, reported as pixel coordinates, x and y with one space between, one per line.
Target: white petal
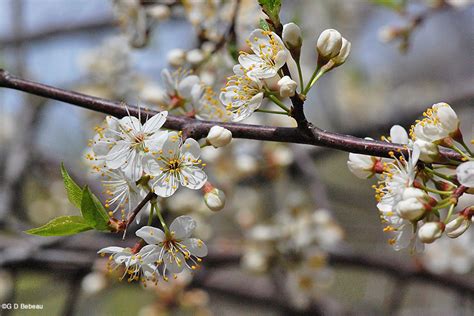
196 247
111 249
247 61
117 156
130 123
465 174
191 148
151 235
171 145
165 185
398 135
171 263
155 122
193 177
183 227
186 85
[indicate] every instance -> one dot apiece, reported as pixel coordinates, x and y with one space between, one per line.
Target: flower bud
363 166
215 200
343 53
287 87
219 136
457 226
428 150
431 231
329 44
195 56
159 12
465 174
176 57
410 209
292 36
409 193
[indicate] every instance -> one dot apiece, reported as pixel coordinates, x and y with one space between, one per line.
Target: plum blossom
174 249
176 163
137 265
440 122
269 55
242 94
130 144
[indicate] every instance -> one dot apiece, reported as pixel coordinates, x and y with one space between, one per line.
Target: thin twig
197 129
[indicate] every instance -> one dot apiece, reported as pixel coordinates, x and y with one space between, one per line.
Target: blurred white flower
215 199
176 57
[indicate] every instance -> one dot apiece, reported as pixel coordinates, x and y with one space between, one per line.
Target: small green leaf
272 9
74 192
396 5
264 25
93 211
61 226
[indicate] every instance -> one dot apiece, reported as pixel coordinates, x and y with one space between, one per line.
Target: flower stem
438 174
272 112
160 217
300 75
278 102
450 212
464 145
435 191
459 151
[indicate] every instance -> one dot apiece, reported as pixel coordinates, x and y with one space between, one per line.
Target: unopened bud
329 44
431 231
287 87
195 56
159 12
219 136
176 57
457 226
410 209
215 199
343 53
292 36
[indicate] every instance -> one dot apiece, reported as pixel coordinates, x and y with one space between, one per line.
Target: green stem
150 216
438 174
450 212
459 151
272 112
160 217
278 102
300 75
464 145
436 191
306 89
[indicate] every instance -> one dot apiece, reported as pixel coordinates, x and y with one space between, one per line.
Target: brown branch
199 129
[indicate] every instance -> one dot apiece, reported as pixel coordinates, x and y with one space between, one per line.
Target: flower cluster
272 69
418 193
137 160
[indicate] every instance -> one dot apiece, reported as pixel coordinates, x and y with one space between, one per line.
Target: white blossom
131 143
457 226
176 57
343 53
440 122
215 199
175 249
176 163
269 55
138 266
242 94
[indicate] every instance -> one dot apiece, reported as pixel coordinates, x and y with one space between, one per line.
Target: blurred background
104 48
